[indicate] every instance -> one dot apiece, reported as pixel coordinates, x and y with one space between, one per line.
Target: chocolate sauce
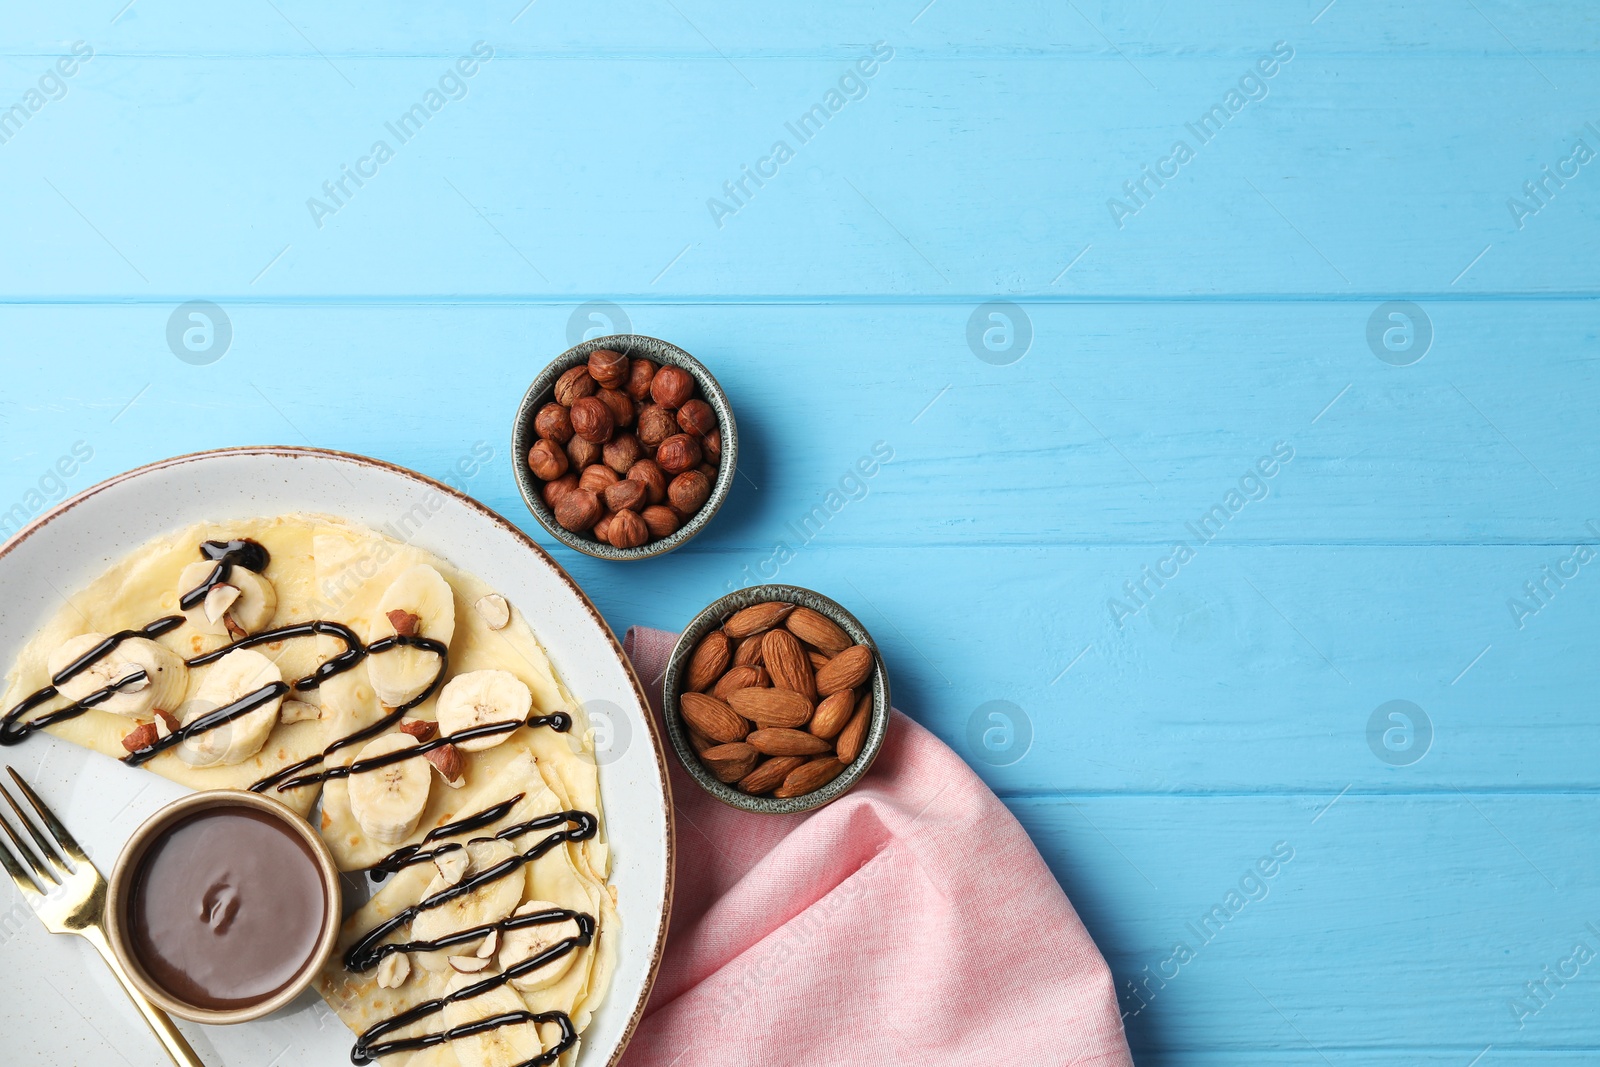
13 732
251 555
406 855
365 952
226 908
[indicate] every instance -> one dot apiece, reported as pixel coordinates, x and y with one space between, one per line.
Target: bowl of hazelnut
624 447
776 699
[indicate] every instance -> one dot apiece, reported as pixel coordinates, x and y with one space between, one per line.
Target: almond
845 671
832 714
748 654
450 763
781 742
142 736
817 630
770 773
712 717
786 662
818 660
710 659
404 622
421 729
730 762
757 618
809 777
700 742
771 707
855 732
737 678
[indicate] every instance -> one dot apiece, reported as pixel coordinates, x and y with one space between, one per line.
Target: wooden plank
948 176
1400 923
638 27
1122 425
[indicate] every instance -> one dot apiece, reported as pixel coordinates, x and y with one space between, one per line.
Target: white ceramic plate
58 1002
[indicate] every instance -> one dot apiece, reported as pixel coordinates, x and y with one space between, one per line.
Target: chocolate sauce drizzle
584 827
13 732
406 855
251 555
368 953
226 554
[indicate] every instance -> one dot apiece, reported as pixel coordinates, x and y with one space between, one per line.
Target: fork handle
172 1038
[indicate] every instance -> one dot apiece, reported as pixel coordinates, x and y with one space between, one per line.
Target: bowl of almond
624 447
776 699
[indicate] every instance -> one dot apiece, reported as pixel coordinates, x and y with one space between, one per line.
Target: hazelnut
578 510
711 445
709 471
554 491
573 386
619 403
546 460
608 368
671 386
678 453
640 374
597 478
622 452
553 423
689 492
662 521
582 453
602 529
592 420
656 424
696 417
655 481
625 495
628 530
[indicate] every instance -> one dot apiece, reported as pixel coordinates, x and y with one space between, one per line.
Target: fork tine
18 873
63 838
41 873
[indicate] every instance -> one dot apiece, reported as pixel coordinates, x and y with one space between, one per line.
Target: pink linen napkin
912 921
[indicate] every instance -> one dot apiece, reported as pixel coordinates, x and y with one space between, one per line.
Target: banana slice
527 942
489 903
503 1046
251 609
479 698
234 676
166 682
403 674
388 801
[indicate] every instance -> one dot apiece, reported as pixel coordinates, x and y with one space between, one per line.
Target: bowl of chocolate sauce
223 906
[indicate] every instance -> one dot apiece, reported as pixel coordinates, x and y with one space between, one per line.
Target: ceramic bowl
120 890
542 391
711 619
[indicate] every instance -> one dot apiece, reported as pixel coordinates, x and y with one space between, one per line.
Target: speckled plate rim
42 522
543 388
710 618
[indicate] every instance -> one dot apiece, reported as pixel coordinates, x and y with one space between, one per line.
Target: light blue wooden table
1287 410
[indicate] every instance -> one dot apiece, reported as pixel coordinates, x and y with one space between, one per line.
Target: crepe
391 609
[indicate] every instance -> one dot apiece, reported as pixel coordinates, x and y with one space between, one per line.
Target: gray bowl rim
633 345
710 618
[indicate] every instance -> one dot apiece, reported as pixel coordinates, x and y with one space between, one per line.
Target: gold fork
71 899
